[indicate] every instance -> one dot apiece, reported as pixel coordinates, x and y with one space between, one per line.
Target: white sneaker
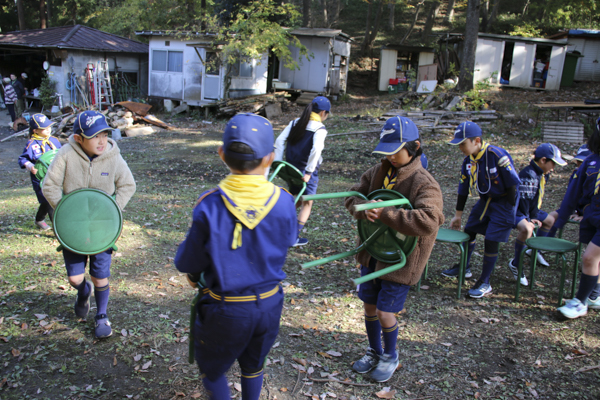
573 309
540 257
515 269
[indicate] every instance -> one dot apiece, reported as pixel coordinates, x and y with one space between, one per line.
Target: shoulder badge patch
504 161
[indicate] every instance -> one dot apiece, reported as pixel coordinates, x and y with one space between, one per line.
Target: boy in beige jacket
90 160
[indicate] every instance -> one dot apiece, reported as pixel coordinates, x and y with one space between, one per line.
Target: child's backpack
43 163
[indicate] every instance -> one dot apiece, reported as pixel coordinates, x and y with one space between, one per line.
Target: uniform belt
240 299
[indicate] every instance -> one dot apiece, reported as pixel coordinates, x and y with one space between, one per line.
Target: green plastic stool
462 240
560 234
555 245
290 174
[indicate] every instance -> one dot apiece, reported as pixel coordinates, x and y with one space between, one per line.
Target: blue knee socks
374 333
217 389
552 232
518 249
587 283
490 255
82 289
390 337
251 385
543 232
101 294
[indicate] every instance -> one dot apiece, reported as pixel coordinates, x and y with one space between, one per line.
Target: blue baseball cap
90 123
582 153
551 152
321 103
394 135
40 121
252 130
465 130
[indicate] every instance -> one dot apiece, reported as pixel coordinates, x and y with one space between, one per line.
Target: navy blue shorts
388 296
494 221
311 185
229 331
588 233
99 263
542 215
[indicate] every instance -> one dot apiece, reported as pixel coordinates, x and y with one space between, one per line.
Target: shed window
171 61
242 68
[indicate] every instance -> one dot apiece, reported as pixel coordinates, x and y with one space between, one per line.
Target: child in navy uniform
303 141
534 178
238 241
41 141
584 192
90 160
401 170
489 171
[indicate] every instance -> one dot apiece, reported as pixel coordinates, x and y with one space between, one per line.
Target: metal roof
78 37
175 33
410 49
320 32
560 42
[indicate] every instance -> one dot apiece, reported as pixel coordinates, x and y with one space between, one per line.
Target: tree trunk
449 12
21 15
202 15
492 16
49 14
367 28
305 13
391 11
324 9
412 26
367 47
433 11
483 13
337 7
465 78
43 14
525 8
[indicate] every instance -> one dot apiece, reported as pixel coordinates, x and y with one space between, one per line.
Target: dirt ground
449 348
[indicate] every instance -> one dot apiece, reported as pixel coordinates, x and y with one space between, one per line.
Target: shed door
387 68
589 65
212 76
488 58
555 68
522 65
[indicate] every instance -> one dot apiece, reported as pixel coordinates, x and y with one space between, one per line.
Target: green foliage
526 29
47 92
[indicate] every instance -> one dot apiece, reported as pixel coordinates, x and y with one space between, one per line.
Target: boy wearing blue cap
402 171
584 193
489 171
303 141
41 141
238 242
534 178
90 160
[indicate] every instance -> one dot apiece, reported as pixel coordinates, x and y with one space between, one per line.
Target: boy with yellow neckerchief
40 142
238 242
489 171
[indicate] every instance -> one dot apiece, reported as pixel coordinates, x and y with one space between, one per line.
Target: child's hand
536 222
34 170
455 223
306 177
576 218
374 213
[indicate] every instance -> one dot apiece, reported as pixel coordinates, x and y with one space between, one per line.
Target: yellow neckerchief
390 179
541 191
597 185
249 198
474 161
45 141
315 117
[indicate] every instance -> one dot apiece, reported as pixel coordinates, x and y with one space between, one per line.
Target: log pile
254 104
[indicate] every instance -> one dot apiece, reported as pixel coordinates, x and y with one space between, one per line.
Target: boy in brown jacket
401 170
90 160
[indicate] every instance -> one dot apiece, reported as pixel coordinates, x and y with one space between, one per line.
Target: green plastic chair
290 174
555 245
381 241
461 239
88 222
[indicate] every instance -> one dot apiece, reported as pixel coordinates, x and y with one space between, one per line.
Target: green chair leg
462 267
576 270
533 262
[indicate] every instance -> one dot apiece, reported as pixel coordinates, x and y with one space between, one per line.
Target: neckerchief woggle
249 198
45 141
390 179
474 161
